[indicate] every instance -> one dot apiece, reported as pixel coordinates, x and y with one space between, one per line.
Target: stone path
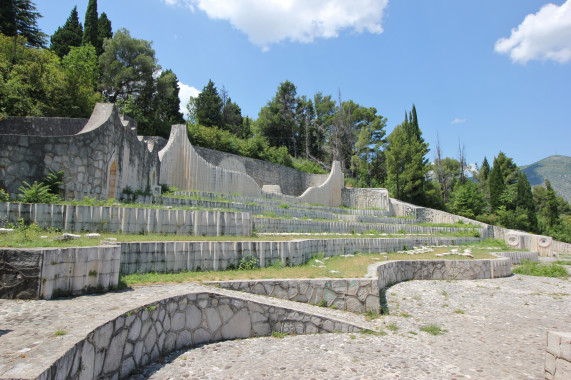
33 334
495 329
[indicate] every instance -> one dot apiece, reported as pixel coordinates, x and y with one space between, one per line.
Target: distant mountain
557 169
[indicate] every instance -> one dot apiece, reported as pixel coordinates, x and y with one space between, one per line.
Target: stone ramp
112 334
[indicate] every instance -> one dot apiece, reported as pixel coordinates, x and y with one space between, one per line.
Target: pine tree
67 36
104 31
497 185
91 30
20 18
485 170
208 106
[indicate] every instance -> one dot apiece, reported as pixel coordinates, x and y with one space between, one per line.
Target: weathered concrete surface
558 356
129 220
183 167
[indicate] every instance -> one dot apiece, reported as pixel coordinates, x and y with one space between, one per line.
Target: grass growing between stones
432 329
544 270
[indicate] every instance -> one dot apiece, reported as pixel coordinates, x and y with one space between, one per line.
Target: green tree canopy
104 31
68 35
90 27
20 18
208 107
496 184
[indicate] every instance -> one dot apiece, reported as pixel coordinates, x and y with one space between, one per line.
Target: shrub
248 262
536 269
36 193
4 196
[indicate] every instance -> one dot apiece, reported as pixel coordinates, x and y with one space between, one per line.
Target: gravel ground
491 329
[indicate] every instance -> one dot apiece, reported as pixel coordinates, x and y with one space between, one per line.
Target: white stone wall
558 356
365 198
146 257
77 270
73 218
183 167
354 294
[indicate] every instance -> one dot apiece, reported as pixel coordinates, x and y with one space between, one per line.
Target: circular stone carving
232 164
544 241
513 240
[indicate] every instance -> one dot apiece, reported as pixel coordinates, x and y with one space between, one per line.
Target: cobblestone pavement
493 329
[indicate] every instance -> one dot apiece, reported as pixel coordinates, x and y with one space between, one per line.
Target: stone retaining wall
354 294
41 126
296 225
365 198
393 272
129 220
53 272
143 257
134 339
558 356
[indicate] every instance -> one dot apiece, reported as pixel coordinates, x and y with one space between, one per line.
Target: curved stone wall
99 161
134 339
183 167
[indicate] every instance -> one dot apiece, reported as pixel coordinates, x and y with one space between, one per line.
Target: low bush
543 270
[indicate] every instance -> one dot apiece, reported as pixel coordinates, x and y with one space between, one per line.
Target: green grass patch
531 268
432 329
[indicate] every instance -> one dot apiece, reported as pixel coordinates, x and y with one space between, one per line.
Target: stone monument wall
292 182
100 160
558 356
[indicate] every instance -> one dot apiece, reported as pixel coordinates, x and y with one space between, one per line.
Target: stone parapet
393 272
134 339
558 356
296 225
129 220
143 257
51 272
353 294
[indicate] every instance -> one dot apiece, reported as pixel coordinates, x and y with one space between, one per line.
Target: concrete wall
545 245
558 356
129 220
98 161
41 126
134 339
292 182
296 225
179 256
365 198
52 272
183 167
353 294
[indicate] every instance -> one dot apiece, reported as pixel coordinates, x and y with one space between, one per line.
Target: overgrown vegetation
532 268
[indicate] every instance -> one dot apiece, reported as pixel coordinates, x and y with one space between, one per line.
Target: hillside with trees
88 63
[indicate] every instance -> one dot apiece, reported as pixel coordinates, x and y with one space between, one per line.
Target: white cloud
457 121
542 36
184 95
266 22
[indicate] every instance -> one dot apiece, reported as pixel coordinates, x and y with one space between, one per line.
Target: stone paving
495 329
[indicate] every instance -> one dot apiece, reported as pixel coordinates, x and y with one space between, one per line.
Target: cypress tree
485 170
67 36
103 31
8 18
497 185
552 207
90 30
524 201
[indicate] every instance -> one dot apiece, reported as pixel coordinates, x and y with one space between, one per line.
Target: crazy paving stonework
353 294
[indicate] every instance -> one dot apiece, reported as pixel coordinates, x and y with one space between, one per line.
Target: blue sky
490 75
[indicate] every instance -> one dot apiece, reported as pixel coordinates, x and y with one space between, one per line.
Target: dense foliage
90 63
